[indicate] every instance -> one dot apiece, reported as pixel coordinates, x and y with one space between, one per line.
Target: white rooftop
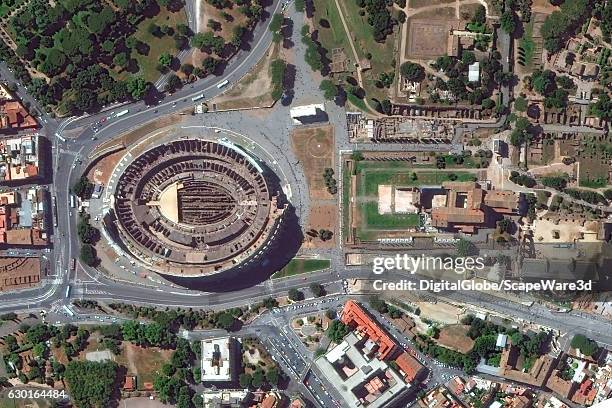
474 72
306 111
216 364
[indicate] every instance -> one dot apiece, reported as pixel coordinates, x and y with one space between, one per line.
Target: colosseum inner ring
195 207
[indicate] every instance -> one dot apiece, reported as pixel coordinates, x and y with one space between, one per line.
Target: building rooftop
19 158
465 205
356 317
412 369
216 359
361 379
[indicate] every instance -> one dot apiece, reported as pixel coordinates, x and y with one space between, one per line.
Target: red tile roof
353 315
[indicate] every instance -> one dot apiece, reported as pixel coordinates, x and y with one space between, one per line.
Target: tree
173 83
245 380
295 295
504 225
520 104
300 5
165 59
276 23
317 289
480 15
213 24
412 71
209 64
154 30
385 106
507 21
82 188
565 82
272 376
187 69
226 321
88 255
468 57
137 87
121 59
488 103
269 303
337 331
325 234
466 248
543 81
557 99
602 108
277 73
330 90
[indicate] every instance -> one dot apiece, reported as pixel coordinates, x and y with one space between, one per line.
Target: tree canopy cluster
337 331
78 45
562 23
91 383
171 383
277 73
379 18
602 108
584 344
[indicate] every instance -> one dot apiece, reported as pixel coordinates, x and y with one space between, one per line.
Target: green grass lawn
298 266
335 35
374 220
383 56
148 63
371 179
598 182
346 196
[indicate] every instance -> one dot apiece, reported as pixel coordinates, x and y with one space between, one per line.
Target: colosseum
195 207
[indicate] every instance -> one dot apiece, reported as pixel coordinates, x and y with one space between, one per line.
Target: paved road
272 131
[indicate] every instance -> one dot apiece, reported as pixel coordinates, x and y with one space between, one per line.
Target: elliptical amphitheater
195 207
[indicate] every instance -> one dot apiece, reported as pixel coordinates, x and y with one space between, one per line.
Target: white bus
197 97
222 84
67 294
68 311
123 112
72 201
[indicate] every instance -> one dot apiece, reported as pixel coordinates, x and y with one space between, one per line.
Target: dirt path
129 353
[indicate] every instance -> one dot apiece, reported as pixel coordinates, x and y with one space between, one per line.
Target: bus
197 97
123 112
67 292
54 211
68 311
222 84
72 264
72 201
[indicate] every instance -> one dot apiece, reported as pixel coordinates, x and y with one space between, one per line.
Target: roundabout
194 207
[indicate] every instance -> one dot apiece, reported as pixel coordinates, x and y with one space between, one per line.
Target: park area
299 266
254 90
364 182
455 338
333 36
149 62
593 153
314 148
